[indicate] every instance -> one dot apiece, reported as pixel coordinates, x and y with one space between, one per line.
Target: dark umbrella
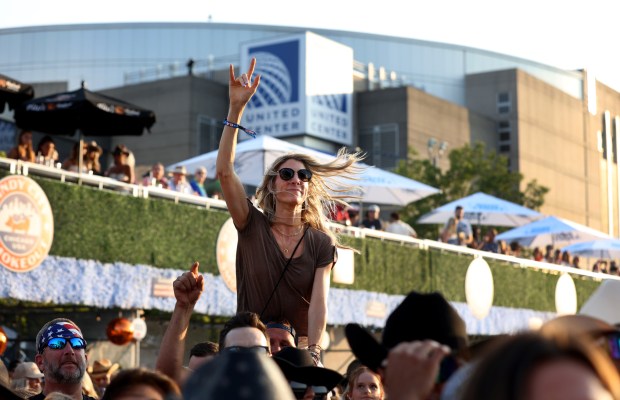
85 112
13 92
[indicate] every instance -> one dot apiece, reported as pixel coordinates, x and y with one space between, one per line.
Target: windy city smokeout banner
306 87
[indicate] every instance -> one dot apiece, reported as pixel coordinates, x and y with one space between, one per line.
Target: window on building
209 134
380 142
504 148
503 131
503 103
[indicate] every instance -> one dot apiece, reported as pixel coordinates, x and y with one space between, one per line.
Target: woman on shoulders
285 252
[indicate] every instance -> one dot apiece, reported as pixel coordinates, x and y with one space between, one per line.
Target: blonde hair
324 192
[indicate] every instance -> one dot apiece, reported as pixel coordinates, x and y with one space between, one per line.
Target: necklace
284 242
301 227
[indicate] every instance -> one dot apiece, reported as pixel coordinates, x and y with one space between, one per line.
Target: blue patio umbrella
603 248
551 230
483 209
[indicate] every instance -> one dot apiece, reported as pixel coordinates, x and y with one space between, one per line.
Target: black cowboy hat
297 365
419 317
236 375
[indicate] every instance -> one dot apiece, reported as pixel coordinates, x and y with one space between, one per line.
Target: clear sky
569 34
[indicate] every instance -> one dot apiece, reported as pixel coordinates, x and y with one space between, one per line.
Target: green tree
472 169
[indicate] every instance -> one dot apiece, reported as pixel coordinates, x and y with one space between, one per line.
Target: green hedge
109 226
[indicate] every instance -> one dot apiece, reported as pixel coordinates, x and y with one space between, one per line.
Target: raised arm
240 91
187 290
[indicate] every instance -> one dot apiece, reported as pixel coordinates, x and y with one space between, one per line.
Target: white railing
104 183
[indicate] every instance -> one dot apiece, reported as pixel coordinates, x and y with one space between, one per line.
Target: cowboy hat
420 316
27 370
103 367
298 365
236 375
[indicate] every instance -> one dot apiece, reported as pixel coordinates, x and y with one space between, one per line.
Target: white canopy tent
254 156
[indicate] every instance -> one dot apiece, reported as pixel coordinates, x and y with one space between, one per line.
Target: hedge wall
109 226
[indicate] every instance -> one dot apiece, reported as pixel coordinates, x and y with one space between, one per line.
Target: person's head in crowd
58 396
534 367
178 174
200 175
575 262
515 249
281 334
537 255
120 154
47 147
394 217
489 237
244 330
364 384
102 372
613 267
61 356
459 213
306 379
565 258
373 212
158 171
141 384
201 353
585 327
557 256
420 317
242 374
27 378
549 251
24 139
93 153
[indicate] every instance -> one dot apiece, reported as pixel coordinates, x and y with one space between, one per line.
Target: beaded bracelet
237 126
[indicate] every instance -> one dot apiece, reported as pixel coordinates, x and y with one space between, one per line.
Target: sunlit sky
568 34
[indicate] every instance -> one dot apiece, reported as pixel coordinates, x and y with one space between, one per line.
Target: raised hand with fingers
188 287
241 88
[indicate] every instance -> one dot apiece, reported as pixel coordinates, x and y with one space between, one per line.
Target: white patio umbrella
551 230
254 156
603 248
483 209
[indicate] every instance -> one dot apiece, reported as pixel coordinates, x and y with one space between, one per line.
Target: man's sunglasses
299 390
60 343
286 174
252 349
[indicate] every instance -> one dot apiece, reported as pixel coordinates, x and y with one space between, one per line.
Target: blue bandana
62 329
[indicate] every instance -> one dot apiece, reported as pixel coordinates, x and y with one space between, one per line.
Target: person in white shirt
400 227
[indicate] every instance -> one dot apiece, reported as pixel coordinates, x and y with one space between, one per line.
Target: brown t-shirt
260 264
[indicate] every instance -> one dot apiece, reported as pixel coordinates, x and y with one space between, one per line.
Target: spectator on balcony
489 244
179 182
515 249
557 256
537 255
575 262
156 177
121 170
503 248
457 229
549 253
565 259
198 182
91 158
354 217
46 152
24 150
73 161
400 227
372 220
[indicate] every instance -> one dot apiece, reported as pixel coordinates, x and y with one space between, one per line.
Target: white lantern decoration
226 254
479 288
139 329
344 270
565 295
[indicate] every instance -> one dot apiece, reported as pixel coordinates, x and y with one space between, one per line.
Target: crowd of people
122 167
271 348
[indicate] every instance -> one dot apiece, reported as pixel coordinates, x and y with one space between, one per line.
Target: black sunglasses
252 349
299 390
286 174
60 343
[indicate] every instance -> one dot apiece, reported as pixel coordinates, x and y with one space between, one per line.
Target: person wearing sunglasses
285 252
61 357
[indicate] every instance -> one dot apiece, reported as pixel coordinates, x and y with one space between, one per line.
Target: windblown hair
324 192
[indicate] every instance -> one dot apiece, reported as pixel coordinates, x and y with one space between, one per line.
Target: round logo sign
227 254
26 224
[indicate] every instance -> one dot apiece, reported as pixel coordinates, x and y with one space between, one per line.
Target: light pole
436 150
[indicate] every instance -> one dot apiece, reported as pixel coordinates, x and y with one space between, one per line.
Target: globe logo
276 86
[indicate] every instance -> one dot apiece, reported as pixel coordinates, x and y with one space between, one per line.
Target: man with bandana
61 357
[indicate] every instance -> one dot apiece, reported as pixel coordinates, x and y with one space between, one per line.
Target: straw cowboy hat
103 367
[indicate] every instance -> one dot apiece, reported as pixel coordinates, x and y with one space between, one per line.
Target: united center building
382 94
